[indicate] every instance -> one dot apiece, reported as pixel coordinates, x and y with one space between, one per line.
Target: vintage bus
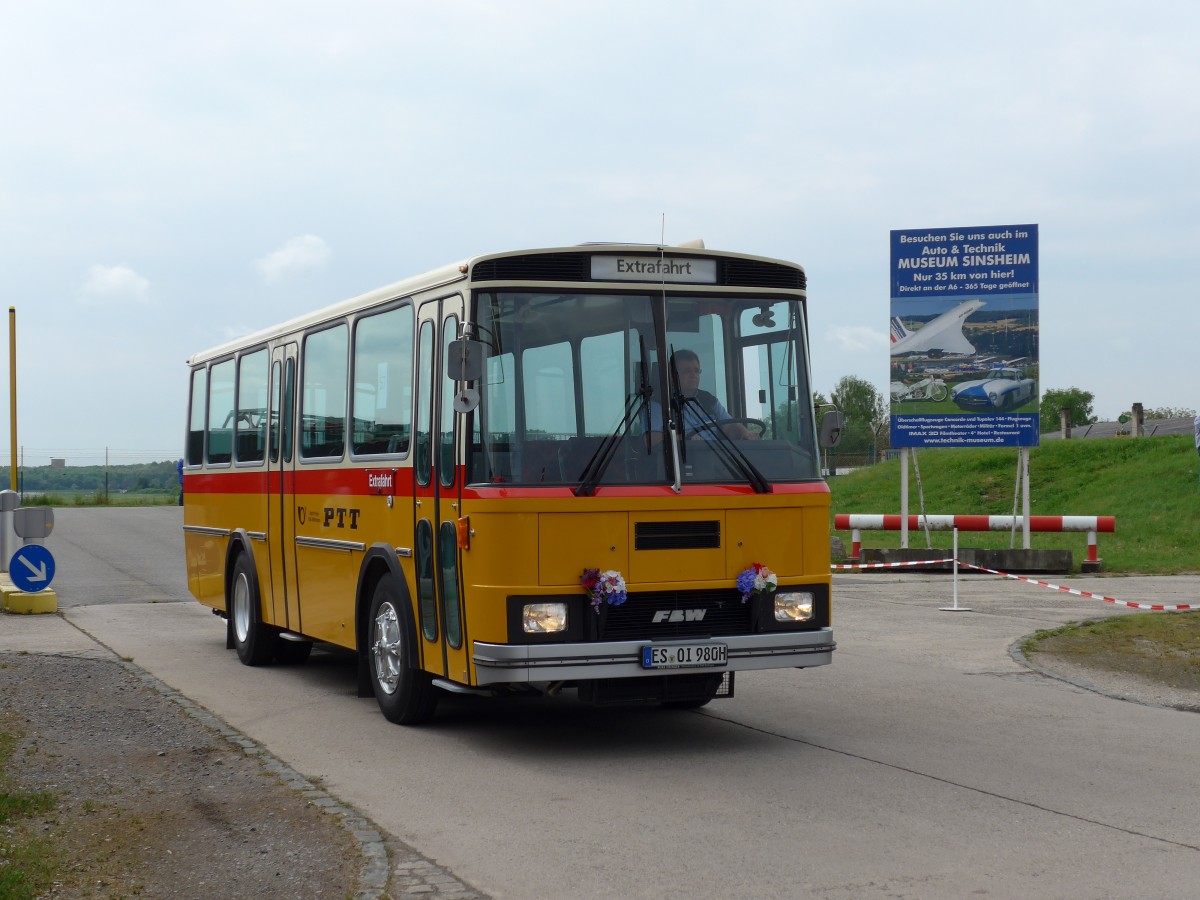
592 468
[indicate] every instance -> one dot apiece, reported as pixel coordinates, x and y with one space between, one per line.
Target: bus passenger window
382 411
251 421
195 436
220 412
323 409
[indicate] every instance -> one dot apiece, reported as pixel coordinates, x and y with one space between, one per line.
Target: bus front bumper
521 663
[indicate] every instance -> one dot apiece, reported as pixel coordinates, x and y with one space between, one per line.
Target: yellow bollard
25 603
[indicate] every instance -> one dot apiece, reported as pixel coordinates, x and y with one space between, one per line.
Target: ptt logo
679 615
336 517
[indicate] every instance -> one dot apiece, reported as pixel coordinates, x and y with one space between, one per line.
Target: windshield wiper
598 464
734 459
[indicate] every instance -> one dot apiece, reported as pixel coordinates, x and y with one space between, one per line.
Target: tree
859 401
865 412
1165 412
1077 400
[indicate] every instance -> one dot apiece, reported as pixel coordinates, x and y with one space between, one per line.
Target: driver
696 424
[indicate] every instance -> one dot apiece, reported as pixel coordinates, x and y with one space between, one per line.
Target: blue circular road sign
31 568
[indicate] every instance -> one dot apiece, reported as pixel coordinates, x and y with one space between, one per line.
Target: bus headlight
544 618
793 606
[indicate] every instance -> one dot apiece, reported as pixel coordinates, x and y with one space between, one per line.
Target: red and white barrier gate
857 523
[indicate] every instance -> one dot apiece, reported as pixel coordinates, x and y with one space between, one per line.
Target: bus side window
195 435
382 411
323 412
251 419
220 412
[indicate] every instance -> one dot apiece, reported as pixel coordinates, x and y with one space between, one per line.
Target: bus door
281 497
436 497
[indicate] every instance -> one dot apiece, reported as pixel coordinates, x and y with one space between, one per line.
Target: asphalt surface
925 762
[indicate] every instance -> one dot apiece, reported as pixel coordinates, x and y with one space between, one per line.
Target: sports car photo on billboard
1001 389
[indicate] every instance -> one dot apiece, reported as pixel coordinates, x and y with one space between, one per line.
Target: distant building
57 463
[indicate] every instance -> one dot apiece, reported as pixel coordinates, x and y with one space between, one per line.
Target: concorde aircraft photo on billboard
941 335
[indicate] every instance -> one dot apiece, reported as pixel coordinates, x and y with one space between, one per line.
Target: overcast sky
175 174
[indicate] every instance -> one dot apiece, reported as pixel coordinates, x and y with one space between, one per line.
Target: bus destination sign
680 269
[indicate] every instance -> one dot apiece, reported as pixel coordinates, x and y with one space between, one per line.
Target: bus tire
253 640
405 694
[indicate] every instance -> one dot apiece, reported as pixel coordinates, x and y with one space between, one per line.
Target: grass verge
1161 646
98 498
27 862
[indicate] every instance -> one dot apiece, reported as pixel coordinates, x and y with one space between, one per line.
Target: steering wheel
758 425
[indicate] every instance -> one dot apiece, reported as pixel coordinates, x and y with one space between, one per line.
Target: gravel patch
158 798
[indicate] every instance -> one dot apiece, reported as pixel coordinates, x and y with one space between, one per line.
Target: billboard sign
964 337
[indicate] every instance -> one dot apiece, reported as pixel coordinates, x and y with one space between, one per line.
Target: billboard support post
1025 497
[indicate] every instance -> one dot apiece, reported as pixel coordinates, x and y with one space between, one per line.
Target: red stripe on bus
356 482
515 492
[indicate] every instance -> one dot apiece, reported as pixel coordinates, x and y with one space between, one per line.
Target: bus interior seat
250 445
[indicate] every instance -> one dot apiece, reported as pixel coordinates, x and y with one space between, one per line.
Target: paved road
118 555
924 762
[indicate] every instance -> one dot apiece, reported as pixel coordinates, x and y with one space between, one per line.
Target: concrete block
23 603
1015 562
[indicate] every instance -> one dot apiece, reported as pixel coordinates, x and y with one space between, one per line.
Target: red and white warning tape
1155 607
895 565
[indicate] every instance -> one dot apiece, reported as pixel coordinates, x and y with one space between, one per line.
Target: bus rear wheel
405 694
253 640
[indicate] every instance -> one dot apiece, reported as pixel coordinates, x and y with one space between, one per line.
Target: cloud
104 283
307 253
854 338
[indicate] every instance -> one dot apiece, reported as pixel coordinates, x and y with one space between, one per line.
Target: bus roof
454 272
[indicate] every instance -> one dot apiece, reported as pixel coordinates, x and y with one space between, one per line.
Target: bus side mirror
832 423
464 360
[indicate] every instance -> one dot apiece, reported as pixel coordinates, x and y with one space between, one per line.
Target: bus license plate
679 656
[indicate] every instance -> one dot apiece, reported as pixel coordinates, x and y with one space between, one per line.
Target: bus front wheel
405 694
253 640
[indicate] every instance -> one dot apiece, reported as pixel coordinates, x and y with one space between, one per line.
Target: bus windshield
641 388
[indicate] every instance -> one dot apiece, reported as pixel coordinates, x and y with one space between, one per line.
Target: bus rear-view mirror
464 360
832 423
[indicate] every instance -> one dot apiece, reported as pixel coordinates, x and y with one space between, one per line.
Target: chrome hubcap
386 651
241 608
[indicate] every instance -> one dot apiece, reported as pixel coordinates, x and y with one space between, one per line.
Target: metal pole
955 607
1025 493
12 394
903 498
9 501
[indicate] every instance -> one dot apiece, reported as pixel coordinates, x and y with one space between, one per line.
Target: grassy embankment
1150 485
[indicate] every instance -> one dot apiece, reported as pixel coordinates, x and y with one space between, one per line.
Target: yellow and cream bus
590 468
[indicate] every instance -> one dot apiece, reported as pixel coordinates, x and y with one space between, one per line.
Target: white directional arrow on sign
36 573
31 568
